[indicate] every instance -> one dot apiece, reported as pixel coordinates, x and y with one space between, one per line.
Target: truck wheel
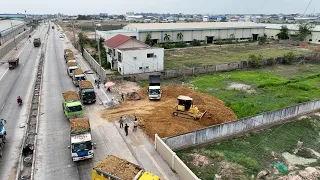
175 113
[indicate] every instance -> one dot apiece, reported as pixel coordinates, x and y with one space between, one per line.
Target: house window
119 57
140 68
150 55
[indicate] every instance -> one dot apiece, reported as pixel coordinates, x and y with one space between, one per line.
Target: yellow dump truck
115 168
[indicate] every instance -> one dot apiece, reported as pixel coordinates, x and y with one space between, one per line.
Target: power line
307 8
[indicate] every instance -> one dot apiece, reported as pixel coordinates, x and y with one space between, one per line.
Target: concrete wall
8 34
240 126
136 61
94 65
174 162
9 45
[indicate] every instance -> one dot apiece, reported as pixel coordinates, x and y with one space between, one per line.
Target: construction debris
79 124
118 167
70 95
85 84
164 123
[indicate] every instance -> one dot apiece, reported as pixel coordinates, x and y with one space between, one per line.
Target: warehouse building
7 31
273 29
207 32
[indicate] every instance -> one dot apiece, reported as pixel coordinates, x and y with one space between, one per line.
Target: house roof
117 41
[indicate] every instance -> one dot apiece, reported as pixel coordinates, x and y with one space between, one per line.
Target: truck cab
86 92
36 42
81 147
71 59
73 109
71 67
77 76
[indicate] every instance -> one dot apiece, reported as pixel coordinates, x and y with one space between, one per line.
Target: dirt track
156 116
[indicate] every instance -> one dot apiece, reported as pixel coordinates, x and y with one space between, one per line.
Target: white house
130 56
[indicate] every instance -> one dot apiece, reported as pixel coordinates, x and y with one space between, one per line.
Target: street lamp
14 36
95 36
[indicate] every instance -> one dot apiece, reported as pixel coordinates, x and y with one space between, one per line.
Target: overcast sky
74 7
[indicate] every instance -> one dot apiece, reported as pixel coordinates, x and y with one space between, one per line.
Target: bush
255 61
167 46
288 58
271 61
180 45
195 42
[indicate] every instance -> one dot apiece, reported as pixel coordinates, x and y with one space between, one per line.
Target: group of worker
126 127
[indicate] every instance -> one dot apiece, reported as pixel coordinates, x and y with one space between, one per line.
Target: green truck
36 42
72 106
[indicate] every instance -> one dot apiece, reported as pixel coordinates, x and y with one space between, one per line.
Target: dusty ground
156 116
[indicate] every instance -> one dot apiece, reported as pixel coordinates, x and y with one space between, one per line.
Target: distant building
207 32
205 18
110 34
130 56
137 18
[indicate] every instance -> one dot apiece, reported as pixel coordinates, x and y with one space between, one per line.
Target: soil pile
85 84
71 58
71 64
70 95
77 71
156 116
134 96
79 124
118 167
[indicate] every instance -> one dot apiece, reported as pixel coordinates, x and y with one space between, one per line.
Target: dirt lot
118 167
156 116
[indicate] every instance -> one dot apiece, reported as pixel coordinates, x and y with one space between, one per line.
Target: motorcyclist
19 100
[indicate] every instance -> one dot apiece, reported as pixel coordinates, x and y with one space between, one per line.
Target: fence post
172 160
155 141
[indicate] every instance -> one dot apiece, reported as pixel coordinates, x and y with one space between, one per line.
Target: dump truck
115 168
72 107
3 134
71 66
86 92
36 42
154 91
67 53
71 59
81 144
77 76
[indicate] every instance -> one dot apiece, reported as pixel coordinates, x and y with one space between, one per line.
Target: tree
304 29
82 41
148 39
179 36
263 39
121 17
288 58
195 42
166 37
284 33
255 61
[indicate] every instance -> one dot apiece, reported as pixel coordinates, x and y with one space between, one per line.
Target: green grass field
252 153
189 57
274 87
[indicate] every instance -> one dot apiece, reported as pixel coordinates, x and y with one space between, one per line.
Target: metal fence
8 46
240 126
174 162
95 65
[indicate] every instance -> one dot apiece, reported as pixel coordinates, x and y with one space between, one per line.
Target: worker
135 125
121 122
126 127
122 97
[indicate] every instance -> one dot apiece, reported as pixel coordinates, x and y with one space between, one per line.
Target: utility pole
74 36
14 36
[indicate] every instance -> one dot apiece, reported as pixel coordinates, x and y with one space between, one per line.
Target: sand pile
77 71
118 167
156 116
85 84
79 124
71 58
70 95
72 64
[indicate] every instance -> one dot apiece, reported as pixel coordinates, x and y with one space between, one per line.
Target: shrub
167 45
180 45
195 42
255 61
288 58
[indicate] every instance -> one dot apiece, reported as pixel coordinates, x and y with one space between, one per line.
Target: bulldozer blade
203 115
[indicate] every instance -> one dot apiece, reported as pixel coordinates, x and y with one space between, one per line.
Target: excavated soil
70 95
79 124
71 58
118 167
85 84
72 64
156 116
77 71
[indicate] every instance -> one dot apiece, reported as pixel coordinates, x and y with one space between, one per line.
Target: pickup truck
36 42
72 107
77 76
81 144
86 92
71 66
115 168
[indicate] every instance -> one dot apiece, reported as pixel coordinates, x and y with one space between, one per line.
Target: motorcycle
19 101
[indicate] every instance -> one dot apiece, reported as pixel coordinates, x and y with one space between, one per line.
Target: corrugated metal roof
191 26
289 26
116 41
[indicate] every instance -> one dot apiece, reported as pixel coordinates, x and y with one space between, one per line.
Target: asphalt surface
13 83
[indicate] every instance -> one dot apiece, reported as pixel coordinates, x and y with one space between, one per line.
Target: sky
75 7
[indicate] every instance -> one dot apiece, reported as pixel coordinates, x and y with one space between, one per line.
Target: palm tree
166 37
179 36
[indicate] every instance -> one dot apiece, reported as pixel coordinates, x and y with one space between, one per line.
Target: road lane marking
22 50
4 74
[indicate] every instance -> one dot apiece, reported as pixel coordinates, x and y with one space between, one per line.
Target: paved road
14 83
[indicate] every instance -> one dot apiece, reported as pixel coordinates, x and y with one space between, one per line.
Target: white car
61 36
